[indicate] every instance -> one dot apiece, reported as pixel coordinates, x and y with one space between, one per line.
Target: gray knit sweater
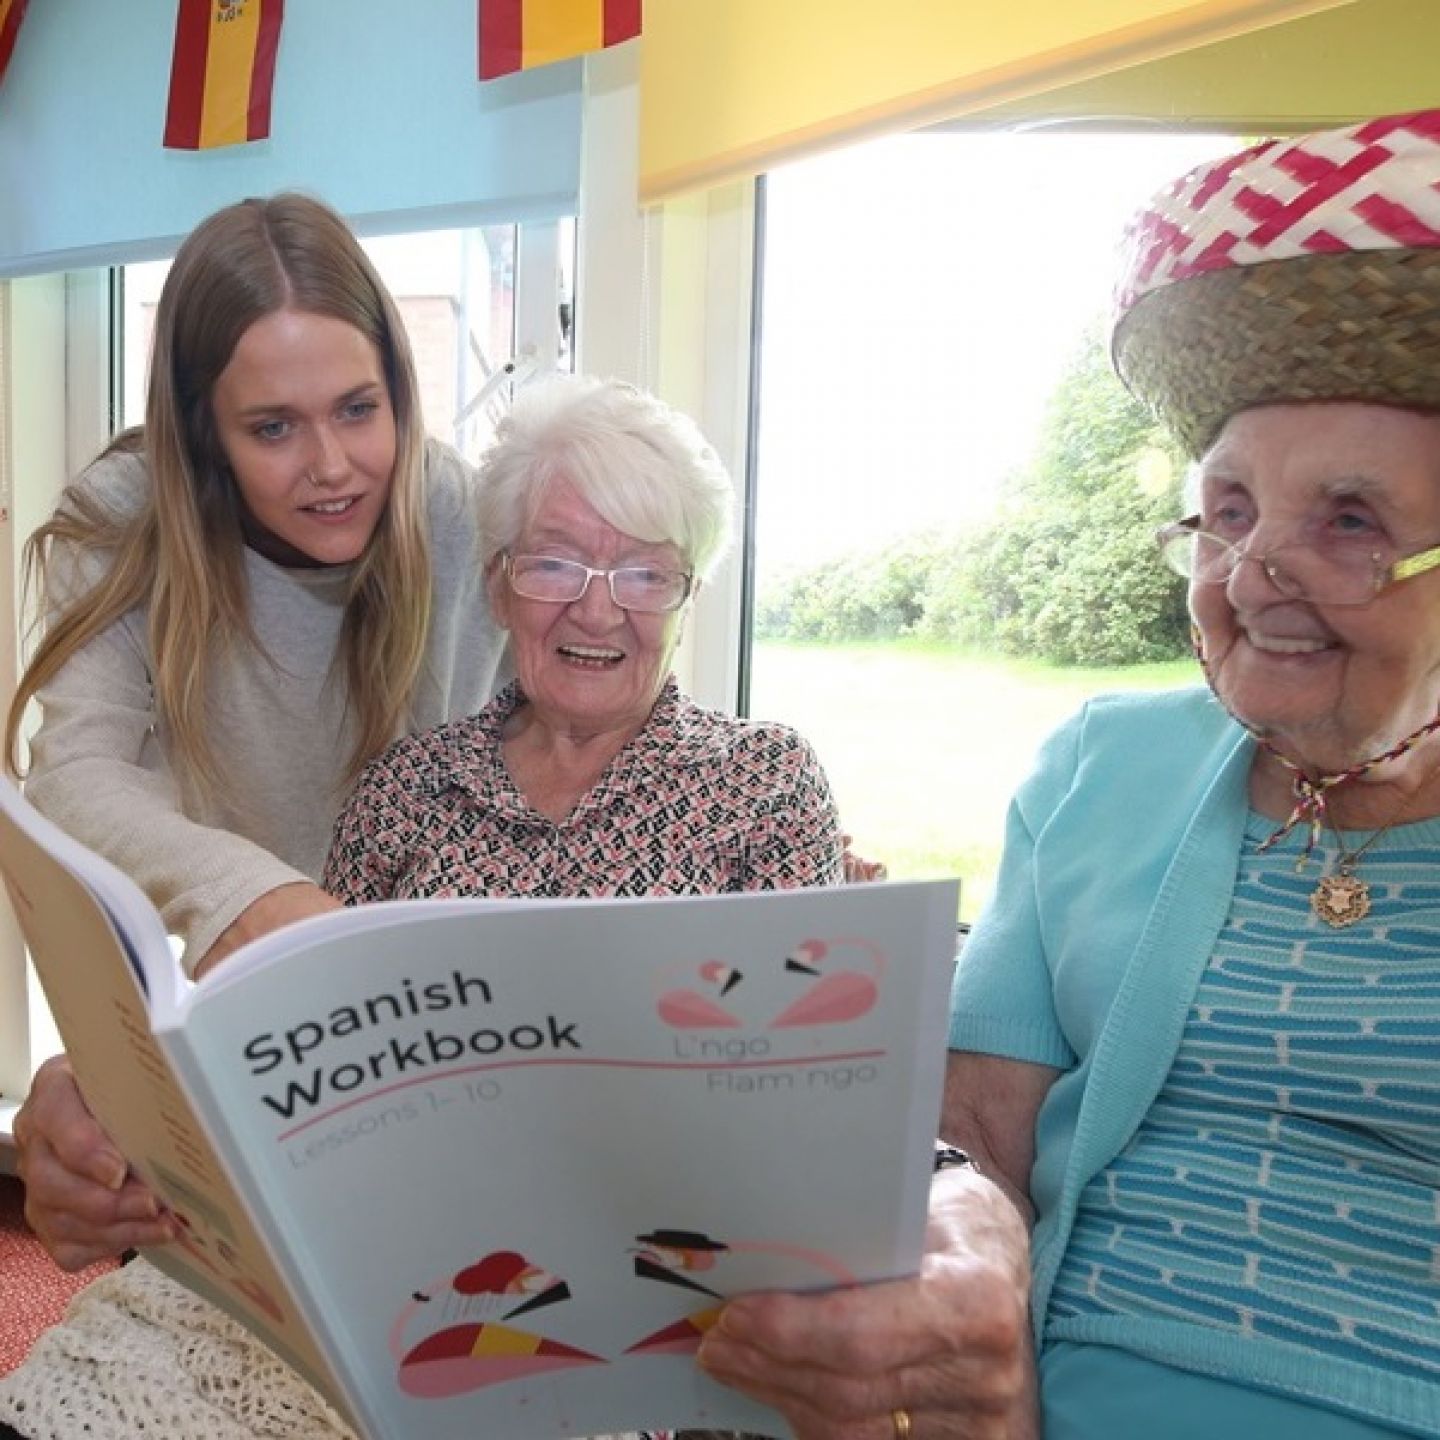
280 722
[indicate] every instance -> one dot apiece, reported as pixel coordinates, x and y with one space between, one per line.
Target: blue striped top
1285 1185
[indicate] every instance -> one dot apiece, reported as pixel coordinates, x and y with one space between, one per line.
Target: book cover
494 1166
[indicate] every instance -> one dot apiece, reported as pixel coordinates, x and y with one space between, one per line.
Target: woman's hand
950 1348
80 1197
274 909
859 870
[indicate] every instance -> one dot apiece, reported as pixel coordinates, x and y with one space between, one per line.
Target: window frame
35 425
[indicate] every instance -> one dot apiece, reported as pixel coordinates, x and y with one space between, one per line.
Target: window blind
729 90
376 108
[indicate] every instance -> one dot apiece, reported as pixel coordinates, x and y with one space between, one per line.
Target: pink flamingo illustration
474 1350
838 995
690 1009
673 1256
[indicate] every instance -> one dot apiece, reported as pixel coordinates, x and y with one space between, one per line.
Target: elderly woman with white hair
1196 1034
602 512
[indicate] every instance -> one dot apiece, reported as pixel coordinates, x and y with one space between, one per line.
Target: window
930 364
468 300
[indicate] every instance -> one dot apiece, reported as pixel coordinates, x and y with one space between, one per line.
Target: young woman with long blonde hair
245 602
255 594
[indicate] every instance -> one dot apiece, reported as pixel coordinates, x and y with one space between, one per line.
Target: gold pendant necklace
1342 898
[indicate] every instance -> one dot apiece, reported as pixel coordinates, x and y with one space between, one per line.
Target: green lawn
923 746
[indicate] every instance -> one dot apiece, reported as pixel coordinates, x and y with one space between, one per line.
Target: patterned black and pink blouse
697 803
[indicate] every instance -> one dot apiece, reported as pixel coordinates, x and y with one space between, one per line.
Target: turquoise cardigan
1120 859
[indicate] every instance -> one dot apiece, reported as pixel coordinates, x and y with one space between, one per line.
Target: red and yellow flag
222 72
12 12
521 34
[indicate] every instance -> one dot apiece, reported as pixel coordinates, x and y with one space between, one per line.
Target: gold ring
900 1419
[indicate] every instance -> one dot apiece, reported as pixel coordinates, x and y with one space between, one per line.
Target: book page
522 1153
93 983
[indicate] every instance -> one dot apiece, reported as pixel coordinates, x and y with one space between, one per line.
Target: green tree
863 595
1068 571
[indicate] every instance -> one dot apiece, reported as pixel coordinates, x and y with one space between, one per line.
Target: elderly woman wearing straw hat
1196 1037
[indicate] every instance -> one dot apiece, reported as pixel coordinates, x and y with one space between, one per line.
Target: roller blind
376 108
731 89
1371 57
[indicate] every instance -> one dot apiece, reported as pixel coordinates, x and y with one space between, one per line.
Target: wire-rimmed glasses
1338 574
649 589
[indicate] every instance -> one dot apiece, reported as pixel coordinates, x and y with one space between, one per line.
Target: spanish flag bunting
521 34
12 12
222 72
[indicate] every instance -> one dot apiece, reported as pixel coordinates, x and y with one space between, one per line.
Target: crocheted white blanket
139 1354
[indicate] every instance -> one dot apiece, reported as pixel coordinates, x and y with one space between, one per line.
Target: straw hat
1304 269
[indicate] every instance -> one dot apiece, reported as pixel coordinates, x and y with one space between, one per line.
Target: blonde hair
182 554
645 468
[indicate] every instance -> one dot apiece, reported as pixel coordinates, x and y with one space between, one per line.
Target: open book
491 1167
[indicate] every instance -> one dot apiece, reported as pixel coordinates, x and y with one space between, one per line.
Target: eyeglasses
645 588
1335 573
